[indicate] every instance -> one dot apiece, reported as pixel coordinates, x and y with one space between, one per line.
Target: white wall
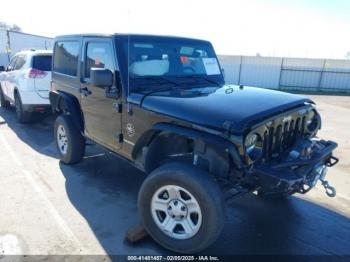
287 73
3 55
262 72
20 41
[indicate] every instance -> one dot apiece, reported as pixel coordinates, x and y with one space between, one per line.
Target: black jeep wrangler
162 103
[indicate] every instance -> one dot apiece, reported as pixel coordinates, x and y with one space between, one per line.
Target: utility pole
8 45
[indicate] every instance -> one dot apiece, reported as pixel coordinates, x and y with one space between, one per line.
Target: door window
20 61
12 63
98 55
66 57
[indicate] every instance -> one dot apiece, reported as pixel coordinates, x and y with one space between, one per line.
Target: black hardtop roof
72 36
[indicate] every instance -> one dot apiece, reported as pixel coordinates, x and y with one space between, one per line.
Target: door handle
85 91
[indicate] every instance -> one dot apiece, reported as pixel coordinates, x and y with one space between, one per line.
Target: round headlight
253 146
313 121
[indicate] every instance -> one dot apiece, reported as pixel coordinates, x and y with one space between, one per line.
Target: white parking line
10 245
31 180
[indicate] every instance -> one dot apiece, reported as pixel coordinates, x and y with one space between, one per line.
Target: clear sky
297 28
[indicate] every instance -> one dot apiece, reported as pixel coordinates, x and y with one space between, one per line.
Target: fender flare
62 102
190 133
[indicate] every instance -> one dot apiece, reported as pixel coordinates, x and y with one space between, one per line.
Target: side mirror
2 69
101 77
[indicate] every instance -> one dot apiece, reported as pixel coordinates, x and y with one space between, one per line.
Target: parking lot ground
48 208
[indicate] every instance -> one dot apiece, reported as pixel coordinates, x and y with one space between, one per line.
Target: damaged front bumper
300 170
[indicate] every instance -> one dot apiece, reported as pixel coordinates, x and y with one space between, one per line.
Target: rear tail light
36 73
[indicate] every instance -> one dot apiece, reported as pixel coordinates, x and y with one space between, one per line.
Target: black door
102 120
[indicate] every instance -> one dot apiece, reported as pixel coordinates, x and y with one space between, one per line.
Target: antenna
128 81
127 63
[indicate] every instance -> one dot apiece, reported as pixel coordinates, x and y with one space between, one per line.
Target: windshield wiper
163 89
155 79
162 83
198 77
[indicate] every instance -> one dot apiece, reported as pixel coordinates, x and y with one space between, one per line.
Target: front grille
280 137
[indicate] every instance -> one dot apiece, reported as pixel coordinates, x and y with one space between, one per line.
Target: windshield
157 62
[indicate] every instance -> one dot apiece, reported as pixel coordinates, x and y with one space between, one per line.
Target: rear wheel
69 141
181 207
22 115
3 101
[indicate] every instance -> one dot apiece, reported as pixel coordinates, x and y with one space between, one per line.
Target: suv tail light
35 73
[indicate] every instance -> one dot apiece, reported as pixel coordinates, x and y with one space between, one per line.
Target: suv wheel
69 141
3 101
181 207
22 115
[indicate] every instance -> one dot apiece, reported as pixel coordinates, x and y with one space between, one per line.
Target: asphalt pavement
48 208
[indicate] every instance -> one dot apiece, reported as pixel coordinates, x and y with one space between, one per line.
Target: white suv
26 83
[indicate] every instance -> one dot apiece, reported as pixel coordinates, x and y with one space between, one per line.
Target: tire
22 115
65 130
206 192
3 102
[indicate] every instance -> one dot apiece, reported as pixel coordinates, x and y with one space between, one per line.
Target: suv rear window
42 62
66 57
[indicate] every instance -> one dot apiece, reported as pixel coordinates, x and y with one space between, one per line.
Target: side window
98 55
66 57
21 60
11 66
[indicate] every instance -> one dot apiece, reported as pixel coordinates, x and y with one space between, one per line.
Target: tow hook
319 174
330 191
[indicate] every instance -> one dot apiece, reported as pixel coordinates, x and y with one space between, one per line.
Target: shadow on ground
38 134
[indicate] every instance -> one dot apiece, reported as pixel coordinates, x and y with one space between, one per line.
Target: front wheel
69 141
181 207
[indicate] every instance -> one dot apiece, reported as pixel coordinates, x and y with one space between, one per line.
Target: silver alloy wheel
62 140
176 212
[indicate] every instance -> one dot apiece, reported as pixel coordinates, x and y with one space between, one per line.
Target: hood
212 107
